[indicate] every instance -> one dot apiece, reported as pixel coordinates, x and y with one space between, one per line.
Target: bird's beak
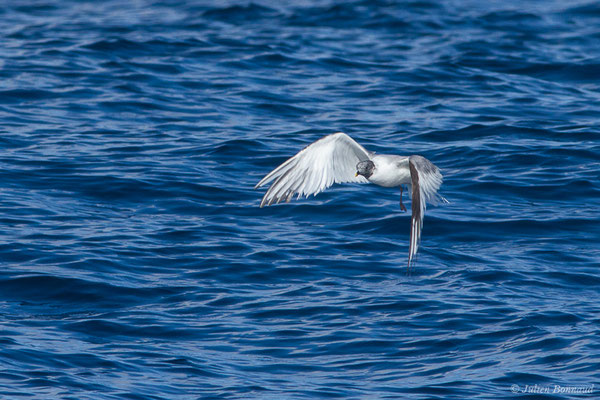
355 175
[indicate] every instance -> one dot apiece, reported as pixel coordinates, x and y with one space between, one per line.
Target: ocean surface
137 264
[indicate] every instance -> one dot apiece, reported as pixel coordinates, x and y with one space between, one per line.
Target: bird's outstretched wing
331 159
426 179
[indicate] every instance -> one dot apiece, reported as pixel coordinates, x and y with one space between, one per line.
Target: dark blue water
136 263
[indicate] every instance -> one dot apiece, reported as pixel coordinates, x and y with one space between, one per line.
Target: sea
136 262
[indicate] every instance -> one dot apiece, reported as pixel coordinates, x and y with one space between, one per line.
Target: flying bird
337 158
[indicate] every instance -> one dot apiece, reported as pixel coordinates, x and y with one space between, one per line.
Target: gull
337 158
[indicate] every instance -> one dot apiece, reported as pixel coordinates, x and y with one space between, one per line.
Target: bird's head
365 168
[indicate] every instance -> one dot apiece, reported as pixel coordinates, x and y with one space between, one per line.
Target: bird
337 158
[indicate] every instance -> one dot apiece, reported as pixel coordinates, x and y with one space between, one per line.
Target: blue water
136 263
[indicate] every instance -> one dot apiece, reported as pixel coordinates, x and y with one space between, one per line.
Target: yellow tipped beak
356 174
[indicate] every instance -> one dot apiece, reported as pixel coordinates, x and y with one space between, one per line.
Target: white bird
337 158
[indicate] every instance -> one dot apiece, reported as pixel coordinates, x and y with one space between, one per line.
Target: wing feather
426 179
331 159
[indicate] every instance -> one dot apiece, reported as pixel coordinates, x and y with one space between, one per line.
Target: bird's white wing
331 159
426 179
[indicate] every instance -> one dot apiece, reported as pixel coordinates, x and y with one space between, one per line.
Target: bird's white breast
390 171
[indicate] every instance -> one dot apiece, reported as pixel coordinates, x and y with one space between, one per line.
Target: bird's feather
426 179
331 159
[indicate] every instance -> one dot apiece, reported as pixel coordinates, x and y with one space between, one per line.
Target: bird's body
390 170
337 158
